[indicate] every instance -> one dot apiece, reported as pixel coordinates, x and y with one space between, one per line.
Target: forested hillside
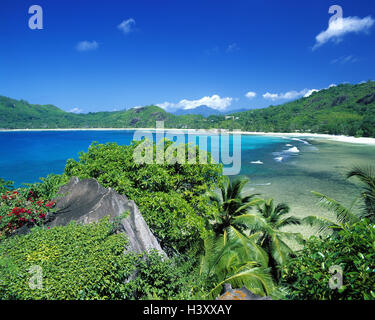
345 109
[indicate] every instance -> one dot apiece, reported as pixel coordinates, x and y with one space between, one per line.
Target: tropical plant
347 216
171 196
267 223
366 175
335 267
343 217
236 259
5 185
231 204
22 207
76 262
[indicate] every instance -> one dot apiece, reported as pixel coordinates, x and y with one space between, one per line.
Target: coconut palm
268 222
235 259
367 177
347 216
342 218
231 203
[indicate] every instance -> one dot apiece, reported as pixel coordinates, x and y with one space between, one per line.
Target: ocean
284 168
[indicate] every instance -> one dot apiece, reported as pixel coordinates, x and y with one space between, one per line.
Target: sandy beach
338 138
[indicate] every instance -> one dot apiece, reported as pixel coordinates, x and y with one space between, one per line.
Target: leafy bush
28 205
160 278
5 185
172 218
20 207
49 186
170 196
77 262
353 249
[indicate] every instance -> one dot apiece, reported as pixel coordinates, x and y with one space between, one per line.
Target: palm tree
345 217
235 260
367 176
268 222
231 203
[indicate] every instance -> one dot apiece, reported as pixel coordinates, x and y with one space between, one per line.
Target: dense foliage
345 109
198 216
350 246
77 262
29 205
171 197
308 275
87 262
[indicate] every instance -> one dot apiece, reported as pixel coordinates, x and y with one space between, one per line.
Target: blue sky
110 55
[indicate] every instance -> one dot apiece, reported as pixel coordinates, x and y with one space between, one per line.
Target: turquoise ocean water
287 169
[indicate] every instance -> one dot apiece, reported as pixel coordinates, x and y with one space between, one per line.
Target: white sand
346 139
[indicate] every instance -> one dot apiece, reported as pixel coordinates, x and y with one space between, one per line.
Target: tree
367 177
231 204
268 222
238 260
345 217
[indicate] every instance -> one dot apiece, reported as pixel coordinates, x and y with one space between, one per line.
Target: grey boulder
86 201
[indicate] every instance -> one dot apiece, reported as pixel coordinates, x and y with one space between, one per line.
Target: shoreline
337 138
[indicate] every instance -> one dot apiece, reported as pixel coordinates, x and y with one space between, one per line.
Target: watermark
36 20
336 19
220 143
336 281
36 279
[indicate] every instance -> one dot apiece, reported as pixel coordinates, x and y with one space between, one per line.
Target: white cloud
76 110
285 96
127 26
293 94
345 59
214 102
310 92
87 45
339 27
250 95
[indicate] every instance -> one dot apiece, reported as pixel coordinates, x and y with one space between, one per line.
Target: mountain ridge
345 109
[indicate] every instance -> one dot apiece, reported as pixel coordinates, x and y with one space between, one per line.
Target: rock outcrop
239 294
87 201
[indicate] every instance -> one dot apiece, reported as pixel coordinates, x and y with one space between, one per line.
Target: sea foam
293 149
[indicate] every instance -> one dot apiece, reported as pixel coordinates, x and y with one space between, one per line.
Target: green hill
344 109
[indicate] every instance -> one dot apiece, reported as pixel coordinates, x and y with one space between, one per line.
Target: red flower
50 204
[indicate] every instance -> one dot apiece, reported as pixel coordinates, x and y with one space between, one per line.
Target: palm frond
365 174
343 214
256 279
279 249
288 221
253 221
250 250
323 224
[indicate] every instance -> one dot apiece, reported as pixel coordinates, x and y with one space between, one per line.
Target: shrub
5 185
77 262
353 249
170 196
160 278
20 207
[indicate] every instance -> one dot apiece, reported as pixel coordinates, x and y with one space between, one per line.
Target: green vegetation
345 109
212 232
171 197
350 246
85 262
352 249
